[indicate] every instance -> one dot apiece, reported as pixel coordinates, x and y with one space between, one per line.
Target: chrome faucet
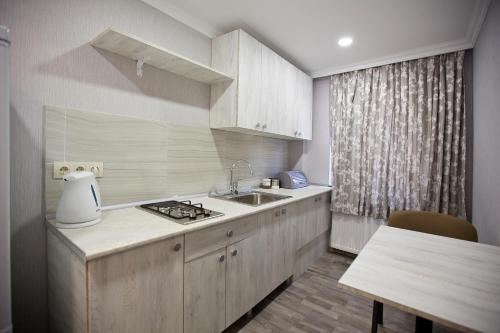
233 184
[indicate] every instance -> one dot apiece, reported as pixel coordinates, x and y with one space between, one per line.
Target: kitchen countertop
126 228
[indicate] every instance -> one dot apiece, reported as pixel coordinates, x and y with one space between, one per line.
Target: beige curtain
398 138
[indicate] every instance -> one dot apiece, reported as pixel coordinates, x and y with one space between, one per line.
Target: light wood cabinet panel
278 243
250 113
306 223
201 242
273 94
289 219
312 225
243 276
205 294
67 288
324 217
270 97
309 253
313 219
132 291
198 282
289 125
223 95
304 125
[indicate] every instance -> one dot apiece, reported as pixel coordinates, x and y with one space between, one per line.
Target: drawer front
201 242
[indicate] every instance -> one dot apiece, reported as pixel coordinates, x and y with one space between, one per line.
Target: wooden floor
314 303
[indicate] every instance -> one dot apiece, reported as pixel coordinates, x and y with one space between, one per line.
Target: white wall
5 311
313 157
486 161
52 64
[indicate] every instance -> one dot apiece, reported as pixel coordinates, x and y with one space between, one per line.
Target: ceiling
306 32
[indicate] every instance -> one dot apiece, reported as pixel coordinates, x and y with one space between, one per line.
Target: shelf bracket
140 67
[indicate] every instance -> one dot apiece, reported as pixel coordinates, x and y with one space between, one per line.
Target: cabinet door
204 294
242 278
271 94
278 243
289 223
250 114
323 217
304 101
306 223
139 290
289 120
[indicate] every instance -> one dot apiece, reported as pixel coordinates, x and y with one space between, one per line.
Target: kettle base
62 225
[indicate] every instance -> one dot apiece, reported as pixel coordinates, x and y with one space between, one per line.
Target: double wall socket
63 168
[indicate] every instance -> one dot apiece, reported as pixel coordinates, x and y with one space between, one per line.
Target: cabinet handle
229 233
315 199
283 211
177 247
277 213
234 252
221 258
320 198
257 125
264 126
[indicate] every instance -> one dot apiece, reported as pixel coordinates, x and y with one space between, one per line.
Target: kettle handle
94 195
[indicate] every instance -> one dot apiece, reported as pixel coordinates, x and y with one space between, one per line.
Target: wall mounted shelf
143 52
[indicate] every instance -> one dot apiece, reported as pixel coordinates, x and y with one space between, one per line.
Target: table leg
378 315
423 325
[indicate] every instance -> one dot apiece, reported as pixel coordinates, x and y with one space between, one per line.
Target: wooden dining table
439 279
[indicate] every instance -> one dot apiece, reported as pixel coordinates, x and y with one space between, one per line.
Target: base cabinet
205 293
242 278
306 221
220 286
200 282
324 214
130 291
278 244
313 222
313 219
261 259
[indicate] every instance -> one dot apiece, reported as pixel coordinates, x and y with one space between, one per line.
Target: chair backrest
434 223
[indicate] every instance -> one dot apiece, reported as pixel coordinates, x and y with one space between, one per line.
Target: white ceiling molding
477 22
428 51
184 17
398 57
307 35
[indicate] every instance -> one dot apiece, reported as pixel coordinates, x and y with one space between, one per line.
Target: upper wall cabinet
269 96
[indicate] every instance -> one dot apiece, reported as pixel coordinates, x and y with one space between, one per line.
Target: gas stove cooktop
182 212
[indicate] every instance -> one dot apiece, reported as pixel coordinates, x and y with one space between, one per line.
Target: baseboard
349 254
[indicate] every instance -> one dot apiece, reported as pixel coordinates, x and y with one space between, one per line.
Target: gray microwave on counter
293 179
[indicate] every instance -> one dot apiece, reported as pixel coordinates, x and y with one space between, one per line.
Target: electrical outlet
63 168
81 167
97 168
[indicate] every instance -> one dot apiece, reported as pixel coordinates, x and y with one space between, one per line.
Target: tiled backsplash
146 159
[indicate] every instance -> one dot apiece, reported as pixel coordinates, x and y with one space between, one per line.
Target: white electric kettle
80 204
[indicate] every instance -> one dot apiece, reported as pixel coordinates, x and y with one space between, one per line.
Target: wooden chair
434 223
431 223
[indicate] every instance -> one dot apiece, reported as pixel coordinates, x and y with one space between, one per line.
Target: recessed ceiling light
345 41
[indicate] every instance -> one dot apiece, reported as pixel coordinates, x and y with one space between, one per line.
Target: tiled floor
314 303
